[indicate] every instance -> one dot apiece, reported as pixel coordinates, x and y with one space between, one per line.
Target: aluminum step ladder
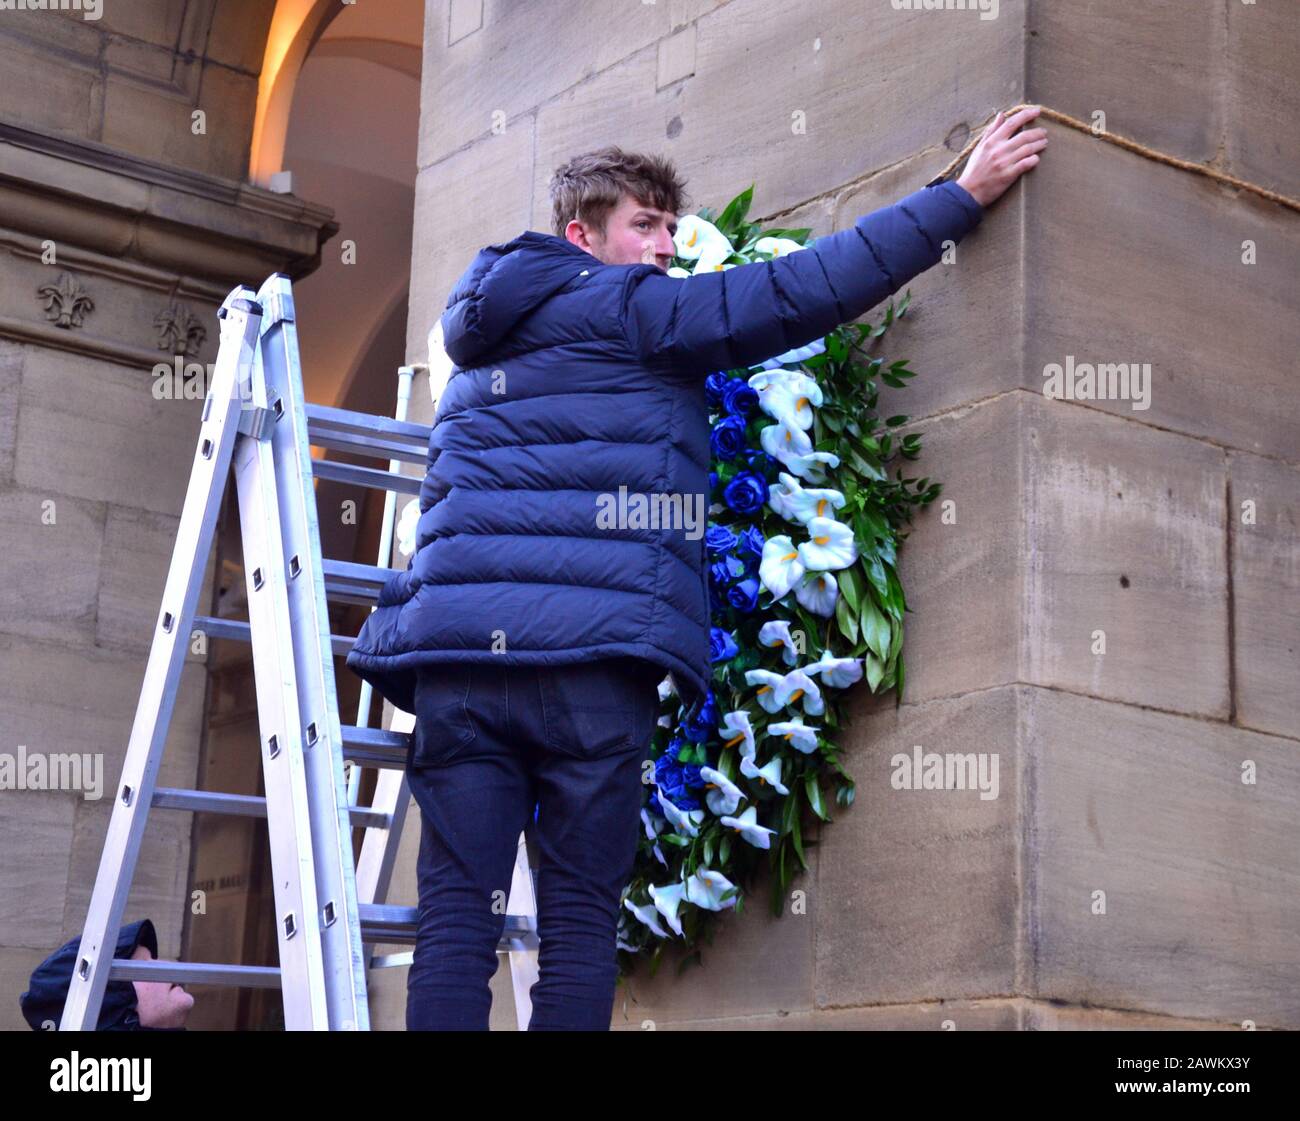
329 913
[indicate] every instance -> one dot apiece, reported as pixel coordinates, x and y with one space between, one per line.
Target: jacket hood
48 989
504 283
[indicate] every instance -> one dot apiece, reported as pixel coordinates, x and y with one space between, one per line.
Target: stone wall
121 230
1126 876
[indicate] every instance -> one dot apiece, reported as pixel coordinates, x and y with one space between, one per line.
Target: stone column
124 221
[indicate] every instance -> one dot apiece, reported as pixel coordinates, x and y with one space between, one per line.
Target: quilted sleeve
742 316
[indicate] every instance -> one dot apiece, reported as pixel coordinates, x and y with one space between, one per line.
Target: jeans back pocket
593 709
443 726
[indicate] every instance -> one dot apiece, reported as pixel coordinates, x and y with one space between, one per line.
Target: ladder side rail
283 727
134 792
313 659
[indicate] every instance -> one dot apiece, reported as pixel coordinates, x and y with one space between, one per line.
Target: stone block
1122 531
473 198
1147 814
57 699
17 964
49 573
1119 277
115 444
159 885
917 896
963 330
483 73
36 833
960 566
1261 109
1265 593
1155 70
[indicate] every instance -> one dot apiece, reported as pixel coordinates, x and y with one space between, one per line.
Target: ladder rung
350 582
246 805
375 747
388 922
380 436
239 630
196 973
365 476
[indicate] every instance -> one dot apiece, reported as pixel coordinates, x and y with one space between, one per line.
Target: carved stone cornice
86 195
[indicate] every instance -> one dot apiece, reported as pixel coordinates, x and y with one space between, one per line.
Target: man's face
635 234
160 1004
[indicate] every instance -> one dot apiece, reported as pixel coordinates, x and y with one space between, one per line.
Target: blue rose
714 384
720 573
713 481
752 541
719 539
746 492
721 645
691 774
700 726
738 397
744 596
716 603
728 437
758 459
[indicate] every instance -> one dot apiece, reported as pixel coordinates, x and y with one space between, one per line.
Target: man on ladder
528 635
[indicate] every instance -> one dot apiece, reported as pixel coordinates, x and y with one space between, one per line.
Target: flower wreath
801 508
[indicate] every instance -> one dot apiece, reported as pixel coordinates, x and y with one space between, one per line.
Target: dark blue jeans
497 749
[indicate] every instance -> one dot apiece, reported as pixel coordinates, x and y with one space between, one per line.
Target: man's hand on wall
1002 156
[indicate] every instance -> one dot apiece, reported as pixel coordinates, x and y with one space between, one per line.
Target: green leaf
875 670
736 210
813 791
845 580
847 620
876 631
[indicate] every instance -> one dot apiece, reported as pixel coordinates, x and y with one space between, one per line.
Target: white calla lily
818 592
770 773
831 546
777 246
768 683
787 395
694 235
838 672
735 729
648 916
406 527
797 503
781 567
795 356
747 826
706 889
800 736
723 795
777 633
667 900
797 686
683 821
811 466
783 442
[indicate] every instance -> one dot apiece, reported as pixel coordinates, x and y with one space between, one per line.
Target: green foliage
867 623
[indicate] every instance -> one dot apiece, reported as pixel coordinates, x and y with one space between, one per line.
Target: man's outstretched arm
740 317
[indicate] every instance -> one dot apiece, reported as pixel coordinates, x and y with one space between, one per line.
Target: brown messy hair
591 185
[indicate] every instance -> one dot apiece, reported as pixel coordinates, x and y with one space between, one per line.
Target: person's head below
621 207
127 1005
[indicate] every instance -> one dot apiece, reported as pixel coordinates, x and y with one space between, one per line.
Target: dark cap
49 984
